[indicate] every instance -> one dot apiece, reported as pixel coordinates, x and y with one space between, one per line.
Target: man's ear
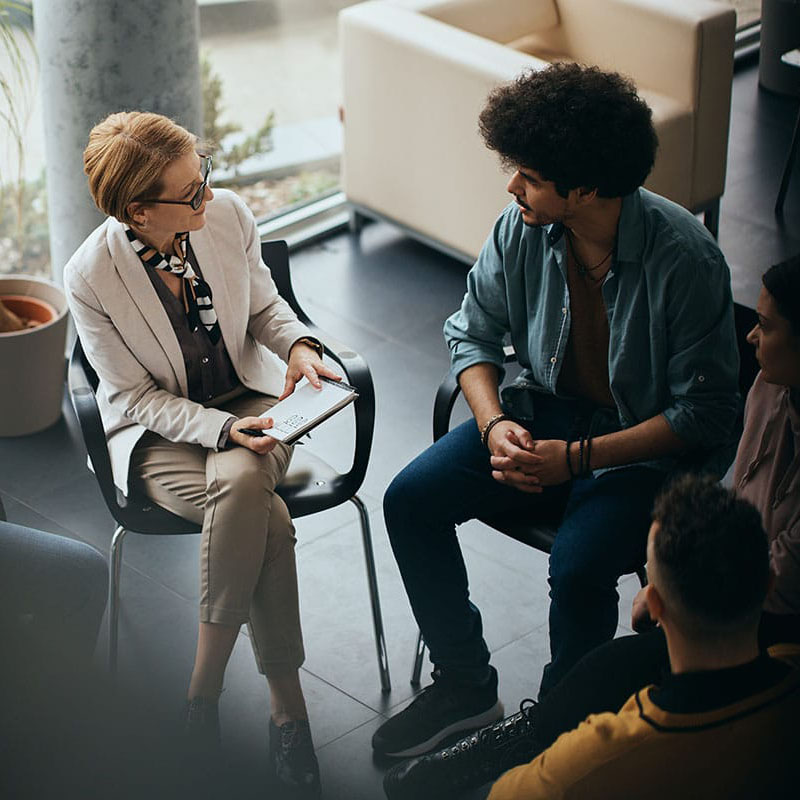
655 604
584 195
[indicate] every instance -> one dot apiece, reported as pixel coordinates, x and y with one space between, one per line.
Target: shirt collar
630 229
155 258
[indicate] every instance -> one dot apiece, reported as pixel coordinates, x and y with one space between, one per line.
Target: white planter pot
32 362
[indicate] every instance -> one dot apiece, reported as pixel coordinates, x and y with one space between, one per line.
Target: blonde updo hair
126 157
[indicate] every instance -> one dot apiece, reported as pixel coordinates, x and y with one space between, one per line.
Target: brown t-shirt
584 372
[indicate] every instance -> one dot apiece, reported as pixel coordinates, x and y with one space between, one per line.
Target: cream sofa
416 74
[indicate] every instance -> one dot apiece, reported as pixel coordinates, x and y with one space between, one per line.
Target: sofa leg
356 222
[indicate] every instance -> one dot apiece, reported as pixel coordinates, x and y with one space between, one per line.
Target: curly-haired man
618 305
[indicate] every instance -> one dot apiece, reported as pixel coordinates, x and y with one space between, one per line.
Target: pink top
767 473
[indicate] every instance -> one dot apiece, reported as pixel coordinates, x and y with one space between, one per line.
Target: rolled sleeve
703 362
476 332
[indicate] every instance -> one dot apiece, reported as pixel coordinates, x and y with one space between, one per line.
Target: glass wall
271 88
747 11
275 63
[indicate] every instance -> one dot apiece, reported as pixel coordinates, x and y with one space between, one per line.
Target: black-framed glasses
196 200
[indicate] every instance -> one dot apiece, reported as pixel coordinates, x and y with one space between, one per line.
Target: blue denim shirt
672 345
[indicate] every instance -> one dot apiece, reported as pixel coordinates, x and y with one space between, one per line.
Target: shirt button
701 378
564 310
204 359
194 330
553 360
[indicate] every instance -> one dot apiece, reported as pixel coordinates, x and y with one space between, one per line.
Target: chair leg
711 219
115 565
787 170
372 579
419 655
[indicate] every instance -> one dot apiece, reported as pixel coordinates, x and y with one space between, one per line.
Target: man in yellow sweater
723 724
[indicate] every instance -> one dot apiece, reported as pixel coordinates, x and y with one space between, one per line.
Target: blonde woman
185 328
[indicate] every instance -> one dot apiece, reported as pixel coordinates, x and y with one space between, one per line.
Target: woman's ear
138 214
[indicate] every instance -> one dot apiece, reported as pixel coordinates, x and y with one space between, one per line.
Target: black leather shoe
472 761
291 753
202 724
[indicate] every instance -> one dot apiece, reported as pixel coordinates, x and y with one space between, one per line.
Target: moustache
521 202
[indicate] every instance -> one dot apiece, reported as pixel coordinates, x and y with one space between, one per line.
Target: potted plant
33 311
32 344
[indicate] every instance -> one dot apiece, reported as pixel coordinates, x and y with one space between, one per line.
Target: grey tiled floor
386 296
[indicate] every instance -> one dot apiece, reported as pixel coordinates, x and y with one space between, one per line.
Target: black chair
541 535
310 485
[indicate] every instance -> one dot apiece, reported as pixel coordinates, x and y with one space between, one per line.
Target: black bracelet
587 470
569 460
580 456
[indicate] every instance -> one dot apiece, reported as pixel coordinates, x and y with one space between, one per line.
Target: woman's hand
305 362
258 444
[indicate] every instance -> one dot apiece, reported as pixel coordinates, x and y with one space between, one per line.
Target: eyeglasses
196 199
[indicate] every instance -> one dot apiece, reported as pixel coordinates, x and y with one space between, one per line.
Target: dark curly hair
577 126
782 281
711 553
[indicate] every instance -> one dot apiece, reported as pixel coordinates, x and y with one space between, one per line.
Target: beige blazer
129 340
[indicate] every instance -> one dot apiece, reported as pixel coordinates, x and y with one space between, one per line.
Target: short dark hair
577 126
711 551
782 281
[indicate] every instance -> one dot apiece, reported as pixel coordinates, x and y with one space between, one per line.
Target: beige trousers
247 562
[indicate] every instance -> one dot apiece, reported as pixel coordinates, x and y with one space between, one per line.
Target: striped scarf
198 298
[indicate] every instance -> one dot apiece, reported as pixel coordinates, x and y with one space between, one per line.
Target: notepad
306 407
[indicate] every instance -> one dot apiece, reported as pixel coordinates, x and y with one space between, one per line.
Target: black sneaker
291 753
476 759
442 709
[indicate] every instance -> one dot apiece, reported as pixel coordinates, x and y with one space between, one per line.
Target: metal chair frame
541 537
316 488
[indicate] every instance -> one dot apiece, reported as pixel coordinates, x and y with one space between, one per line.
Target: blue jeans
602 534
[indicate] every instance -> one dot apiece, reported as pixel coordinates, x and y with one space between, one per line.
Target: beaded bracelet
488 425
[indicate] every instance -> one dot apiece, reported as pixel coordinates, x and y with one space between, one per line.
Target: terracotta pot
28 308
32 361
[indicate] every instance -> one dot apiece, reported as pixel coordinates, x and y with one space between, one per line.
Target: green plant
230 155
16 92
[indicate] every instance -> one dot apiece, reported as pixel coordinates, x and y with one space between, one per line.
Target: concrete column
100 56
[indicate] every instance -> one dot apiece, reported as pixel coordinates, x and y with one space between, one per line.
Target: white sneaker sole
465 726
